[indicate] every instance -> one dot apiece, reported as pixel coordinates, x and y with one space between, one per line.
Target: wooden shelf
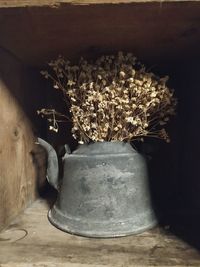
155 32
56 3
32 241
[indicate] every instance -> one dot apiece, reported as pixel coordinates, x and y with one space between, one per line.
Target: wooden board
56 3
155 32
17 171
32 241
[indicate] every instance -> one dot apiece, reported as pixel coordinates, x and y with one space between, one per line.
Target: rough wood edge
57 3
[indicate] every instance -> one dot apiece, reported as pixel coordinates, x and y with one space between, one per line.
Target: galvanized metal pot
104 190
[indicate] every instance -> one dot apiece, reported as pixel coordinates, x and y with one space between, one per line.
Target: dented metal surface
104 191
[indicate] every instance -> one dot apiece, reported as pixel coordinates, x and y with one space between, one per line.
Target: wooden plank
154 32
32 241
57 3
17 171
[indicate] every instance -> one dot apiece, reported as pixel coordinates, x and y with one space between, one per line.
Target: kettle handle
52 166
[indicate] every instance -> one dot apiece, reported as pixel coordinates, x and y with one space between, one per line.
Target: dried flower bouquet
114 98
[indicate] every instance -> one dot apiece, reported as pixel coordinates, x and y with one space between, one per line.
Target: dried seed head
114 98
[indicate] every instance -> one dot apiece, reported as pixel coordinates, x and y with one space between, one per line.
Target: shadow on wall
186 222
175 168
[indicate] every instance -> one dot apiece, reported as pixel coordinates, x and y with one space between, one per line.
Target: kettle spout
52 166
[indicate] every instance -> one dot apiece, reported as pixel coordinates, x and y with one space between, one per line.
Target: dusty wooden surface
154 32
32 241
17 169
56 3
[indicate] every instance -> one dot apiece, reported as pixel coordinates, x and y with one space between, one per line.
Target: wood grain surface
56 3
32 241
17 171
154 31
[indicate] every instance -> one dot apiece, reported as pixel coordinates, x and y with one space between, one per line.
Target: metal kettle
104 190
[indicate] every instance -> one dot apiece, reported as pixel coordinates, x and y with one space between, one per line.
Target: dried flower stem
114 98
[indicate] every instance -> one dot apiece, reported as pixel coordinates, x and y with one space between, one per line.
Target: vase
104 191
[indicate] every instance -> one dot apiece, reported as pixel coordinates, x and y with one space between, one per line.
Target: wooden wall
17 171
155 32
